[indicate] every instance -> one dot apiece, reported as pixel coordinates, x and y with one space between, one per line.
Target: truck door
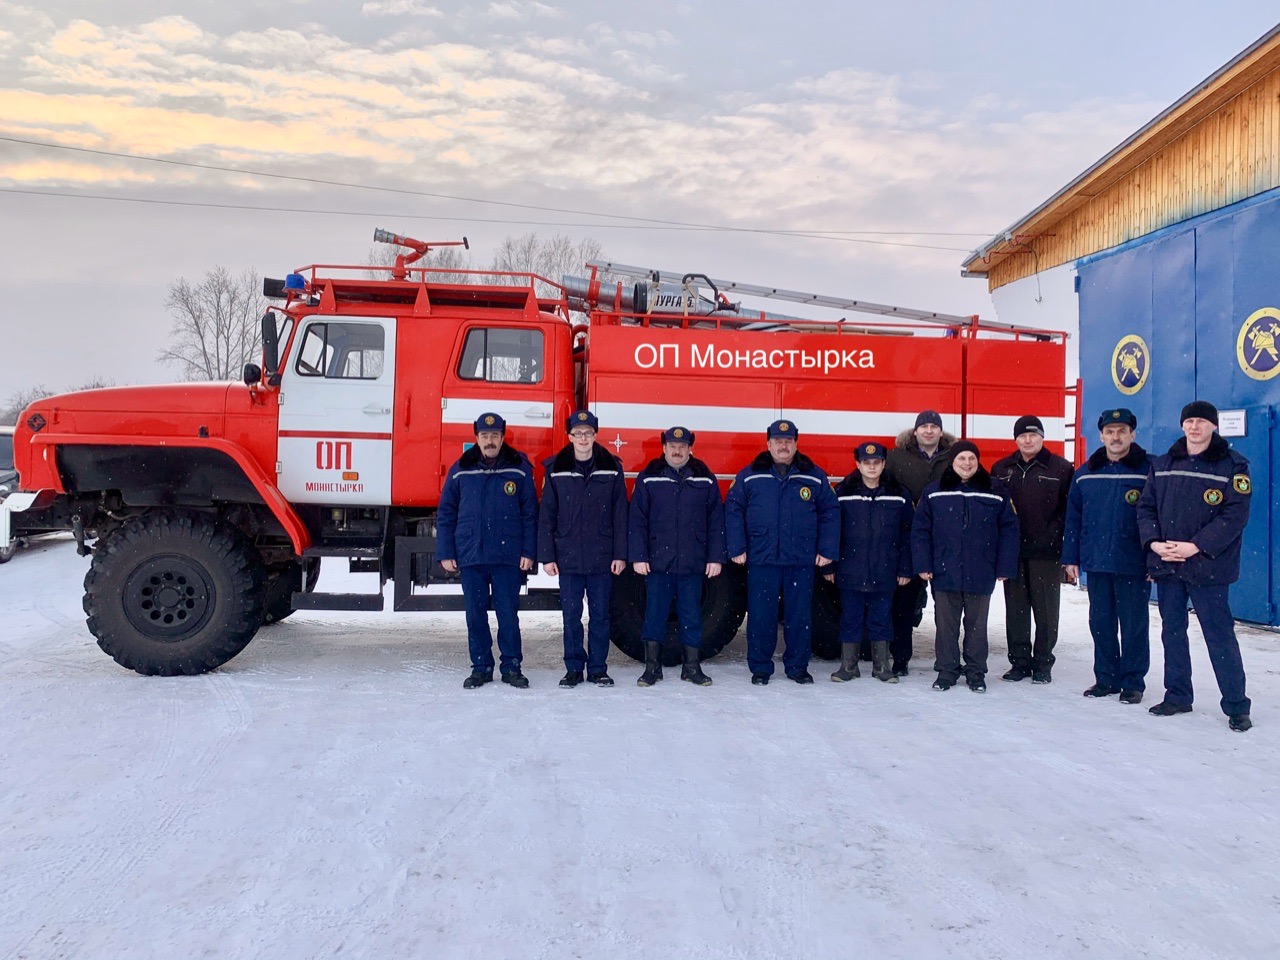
336 396
503 369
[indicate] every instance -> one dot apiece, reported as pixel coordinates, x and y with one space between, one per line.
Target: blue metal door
1252 596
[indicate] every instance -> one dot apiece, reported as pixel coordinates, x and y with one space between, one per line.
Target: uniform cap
1027 424
678 435
1118 415
929 416
581 418
963 446
1202 409
490 421
782 428
869 451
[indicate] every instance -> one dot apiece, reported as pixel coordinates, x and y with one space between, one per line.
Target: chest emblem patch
1213 497
509 488
806 493
1131 496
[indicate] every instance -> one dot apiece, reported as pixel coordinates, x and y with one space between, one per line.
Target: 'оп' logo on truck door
333 454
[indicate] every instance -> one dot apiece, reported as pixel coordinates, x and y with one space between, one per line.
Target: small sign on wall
1231 423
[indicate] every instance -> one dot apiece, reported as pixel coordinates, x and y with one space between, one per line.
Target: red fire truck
208 507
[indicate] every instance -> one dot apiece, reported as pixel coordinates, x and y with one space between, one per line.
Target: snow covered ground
333 792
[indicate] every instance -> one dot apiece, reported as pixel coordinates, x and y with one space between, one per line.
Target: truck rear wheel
724 604
824 638
174 592
281 585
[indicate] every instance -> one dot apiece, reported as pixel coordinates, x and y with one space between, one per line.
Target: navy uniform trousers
1120 622
495 584
765 582
686 588
1214 614
598 589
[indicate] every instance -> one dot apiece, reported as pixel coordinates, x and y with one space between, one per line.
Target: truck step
339 550
337 601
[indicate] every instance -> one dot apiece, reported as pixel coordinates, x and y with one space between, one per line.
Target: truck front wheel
174 592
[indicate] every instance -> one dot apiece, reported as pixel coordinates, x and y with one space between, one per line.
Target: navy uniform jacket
1102 515
582 521
677 518
786 522
875 534
488 515
1039 488
965 533
1204 499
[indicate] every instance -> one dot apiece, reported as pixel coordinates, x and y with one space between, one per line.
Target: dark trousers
1037 589
908 606
1214 614
865 613
766 582
597 588
1120 621
951 611
497 585
686 588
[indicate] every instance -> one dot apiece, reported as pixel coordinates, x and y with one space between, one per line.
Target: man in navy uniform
781 518
677 538
917 459
1038 482
1191 517
487 527
1101 538
875 558
582 539
963 540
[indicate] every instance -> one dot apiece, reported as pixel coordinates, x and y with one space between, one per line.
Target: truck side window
342 351
502 355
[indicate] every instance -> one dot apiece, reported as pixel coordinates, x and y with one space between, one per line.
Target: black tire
174 592
281 585
6 553
824 639
724 605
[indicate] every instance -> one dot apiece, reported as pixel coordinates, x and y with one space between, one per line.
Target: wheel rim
169 598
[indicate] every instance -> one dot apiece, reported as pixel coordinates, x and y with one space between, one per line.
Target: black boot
571 679
652 664
848 664
478 678
881 670
692 670
516 679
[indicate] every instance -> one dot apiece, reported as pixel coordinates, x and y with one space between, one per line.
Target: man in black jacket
582 539
918 458
1039 482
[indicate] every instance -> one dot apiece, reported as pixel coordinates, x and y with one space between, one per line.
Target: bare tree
216 328
551 257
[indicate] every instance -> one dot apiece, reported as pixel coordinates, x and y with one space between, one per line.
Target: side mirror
270 344
252 374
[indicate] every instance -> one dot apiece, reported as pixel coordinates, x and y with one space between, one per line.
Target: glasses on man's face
580 435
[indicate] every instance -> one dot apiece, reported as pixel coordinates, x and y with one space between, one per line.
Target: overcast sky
899 123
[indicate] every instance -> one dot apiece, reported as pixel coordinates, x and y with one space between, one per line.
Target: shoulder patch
1241 483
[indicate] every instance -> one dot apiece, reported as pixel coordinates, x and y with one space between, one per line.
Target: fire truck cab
208 508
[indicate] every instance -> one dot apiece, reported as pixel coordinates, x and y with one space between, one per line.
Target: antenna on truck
420 249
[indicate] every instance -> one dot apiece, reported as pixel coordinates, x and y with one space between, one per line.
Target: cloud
400 8
591 113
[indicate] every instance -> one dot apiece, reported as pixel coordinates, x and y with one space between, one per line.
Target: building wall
1231 155
1195 309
